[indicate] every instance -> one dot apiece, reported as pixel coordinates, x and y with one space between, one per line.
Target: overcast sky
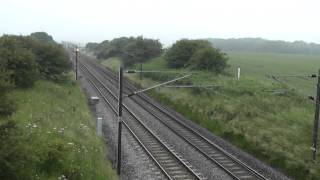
167 20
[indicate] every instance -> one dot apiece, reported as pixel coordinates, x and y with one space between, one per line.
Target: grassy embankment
57 134
274 127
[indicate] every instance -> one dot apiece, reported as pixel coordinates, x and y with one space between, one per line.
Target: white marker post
238 73
99 126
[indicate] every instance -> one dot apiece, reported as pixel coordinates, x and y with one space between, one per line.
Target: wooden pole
316 122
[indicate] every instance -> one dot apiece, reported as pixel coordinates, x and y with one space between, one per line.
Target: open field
57 134
274 127
261 65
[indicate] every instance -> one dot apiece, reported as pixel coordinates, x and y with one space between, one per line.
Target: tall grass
57 133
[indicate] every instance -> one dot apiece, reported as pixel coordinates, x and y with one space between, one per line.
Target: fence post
316 122
238 73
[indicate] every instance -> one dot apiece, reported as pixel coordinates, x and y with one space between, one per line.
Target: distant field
261 65
274 127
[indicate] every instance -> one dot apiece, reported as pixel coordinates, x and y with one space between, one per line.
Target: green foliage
209 59
24 66
6 104
180 53
112 48
31 145
26 56
13 158
140 50
263 45
53 61
131 50
18 60
92 46
43 37
51 135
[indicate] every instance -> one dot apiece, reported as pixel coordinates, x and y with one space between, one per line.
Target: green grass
275 128
260 65
58 133
113 63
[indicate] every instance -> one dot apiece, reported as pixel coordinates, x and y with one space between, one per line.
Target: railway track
229 163
169 162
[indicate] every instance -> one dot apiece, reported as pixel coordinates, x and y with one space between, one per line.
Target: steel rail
190 171
163 111
130 130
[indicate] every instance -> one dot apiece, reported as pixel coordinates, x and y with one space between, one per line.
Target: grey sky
167 20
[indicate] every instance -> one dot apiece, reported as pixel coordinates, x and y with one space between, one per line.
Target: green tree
141 50
180 53
18 60
210 59
130 49
43 37
53 61
112 48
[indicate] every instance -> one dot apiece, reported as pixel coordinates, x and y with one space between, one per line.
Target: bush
209 59
26 54
53 61
140 50
18 60
6 105
180 53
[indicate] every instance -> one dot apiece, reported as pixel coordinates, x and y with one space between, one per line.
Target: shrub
140 50
209 59
18 60
180 53
53 61
6 105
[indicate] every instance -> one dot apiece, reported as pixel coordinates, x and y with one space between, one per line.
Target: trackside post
77 51
316 122
119 120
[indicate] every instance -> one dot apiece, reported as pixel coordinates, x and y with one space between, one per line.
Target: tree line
263 45
185 53
130 49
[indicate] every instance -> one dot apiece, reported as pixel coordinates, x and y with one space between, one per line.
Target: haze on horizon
167 20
